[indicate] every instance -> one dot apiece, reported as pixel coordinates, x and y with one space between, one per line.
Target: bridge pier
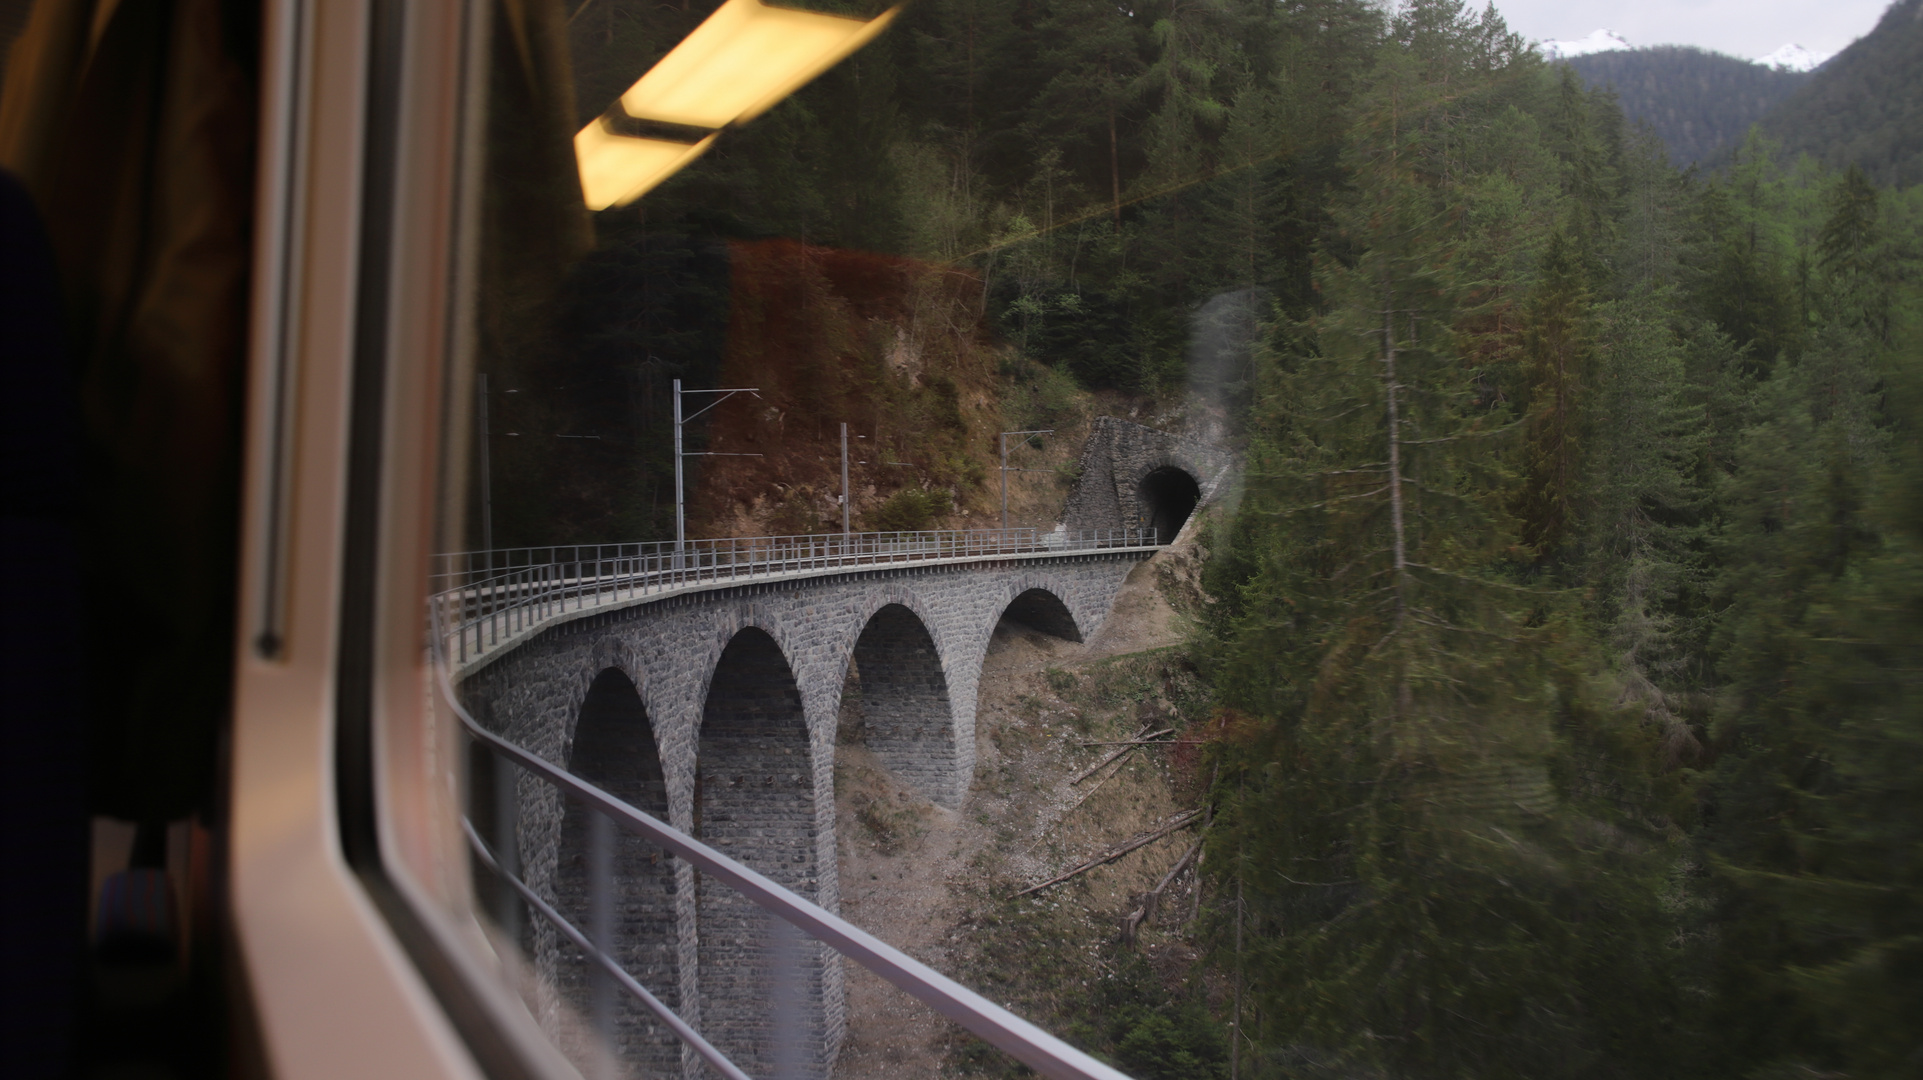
754 788
613 748
908 720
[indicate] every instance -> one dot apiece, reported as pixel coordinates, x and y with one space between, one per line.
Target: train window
700 346
586 379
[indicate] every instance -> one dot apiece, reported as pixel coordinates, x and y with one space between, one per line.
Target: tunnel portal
1168 496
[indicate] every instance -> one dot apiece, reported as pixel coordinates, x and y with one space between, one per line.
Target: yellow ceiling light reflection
739 63
742 60
618 169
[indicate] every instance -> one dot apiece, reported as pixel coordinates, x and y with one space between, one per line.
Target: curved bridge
706 691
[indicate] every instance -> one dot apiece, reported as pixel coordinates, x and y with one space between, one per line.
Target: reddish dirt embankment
893 347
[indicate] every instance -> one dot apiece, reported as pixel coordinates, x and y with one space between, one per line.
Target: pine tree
1744 283
1555 345
1646 522
1854 258
1798 532
1857 894
1094 53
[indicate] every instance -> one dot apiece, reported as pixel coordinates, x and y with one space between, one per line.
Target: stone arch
754 800
1040 607
614 747
1166 495
908 719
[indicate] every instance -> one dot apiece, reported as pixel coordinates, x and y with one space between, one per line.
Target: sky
1746 28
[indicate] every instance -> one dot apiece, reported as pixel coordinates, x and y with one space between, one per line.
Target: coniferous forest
1572 626
1568 626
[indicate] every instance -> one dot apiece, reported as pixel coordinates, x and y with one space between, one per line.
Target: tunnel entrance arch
907 722
754 800
1167 496
614 748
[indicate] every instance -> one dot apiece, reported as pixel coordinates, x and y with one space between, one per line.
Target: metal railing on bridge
481 598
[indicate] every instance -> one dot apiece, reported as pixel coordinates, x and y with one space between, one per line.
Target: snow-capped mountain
1792 58
1597 41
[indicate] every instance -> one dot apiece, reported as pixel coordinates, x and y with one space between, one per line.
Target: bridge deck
487 612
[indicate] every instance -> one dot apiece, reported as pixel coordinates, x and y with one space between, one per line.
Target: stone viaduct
715 709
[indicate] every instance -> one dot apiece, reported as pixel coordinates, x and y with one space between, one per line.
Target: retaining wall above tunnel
1134 477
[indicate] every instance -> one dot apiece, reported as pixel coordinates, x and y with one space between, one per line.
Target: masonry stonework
741 687
1118 457
614 749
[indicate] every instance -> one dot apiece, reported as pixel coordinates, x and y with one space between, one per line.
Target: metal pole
786 948
680 534
845 501
1004 481
680 495
1026 435
487 481
601 928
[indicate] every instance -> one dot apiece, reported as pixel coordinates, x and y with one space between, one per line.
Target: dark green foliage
1438 879
1077 330
580 423
908 510
1856 258
1157 1035
1746 281
1594 754
1556 352
1102 171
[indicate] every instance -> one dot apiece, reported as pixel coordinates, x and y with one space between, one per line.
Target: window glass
759 290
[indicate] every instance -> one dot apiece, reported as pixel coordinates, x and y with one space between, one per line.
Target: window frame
353 949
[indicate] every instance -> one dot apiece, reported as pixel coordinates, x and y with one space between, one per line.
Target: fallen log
1181 821
1150 742
1139 740
1090 793
1134 919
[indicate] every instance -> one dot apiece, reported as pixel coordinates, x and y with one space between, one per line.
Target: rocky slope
938 884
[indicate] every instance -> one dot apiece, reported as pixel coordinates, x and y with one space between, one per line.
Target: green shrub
909 509
1156 1033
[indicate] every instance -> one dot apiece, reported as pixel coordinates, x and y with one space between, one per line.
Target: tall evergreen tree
1556 350
1422 904
1854 258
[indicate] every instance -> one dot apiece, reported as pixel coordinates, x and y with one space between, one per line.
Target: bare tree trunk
1395 452
1235 1029
1114 165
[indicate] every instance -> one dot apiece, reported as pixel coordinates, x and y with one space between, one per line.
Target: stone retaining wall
1116 458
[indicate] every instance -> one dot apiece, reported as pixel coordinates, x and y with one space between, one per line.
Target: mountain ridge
1865 106
1791 56
1701 103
